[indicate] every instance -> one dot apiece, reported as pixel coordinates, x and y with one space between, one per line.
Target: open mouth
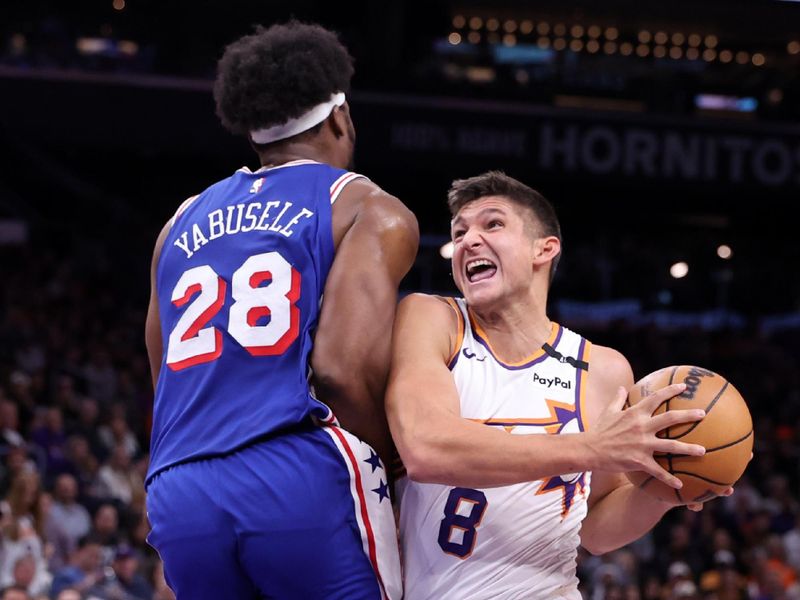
480 269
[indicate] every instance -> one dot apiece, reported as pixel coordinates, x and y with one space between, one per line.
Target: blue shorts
305 514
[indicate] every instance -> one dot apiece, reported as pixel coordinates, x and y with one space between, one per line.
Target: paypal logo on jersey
552 381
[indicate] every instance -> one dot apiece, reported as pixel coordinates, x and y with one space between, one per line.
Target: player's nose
472 238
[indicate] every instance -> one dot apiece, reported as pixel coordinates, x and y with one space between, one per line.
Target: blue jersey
240 280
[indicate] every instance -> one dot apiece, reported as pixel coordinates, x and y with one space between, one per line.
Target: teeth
478 263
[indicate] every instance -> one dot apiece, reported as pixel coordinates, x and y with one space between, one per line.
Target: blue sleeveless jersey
240 279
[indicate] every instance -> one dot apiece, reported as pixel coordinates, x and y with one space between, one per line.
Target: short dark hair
277 74
497 183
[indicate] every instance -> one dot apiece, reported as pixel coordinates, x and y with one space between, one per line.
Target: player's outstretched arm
377 239
437 445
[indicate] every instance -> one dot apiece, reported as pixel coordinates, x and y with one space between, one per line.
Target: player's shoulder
429 321
364 199
430 308
610 368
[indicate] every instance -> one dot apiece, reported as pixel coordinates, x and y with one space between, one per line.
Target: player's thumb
620 399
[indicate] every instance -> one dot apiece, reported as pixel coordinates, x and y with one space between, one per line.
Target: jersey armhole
339 185
451 361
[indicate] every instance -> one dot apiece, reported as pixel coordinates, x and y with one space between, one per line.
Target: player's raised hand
625 439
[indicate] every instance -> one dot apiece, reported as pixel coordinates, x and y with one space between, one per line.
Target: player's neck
517 330
285 153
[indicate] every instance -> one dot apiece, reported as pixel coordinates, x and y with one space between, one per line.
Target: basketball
726 432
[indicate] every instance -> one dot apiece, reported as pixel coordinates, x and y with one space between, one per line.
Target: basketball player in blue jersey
489 508
265 479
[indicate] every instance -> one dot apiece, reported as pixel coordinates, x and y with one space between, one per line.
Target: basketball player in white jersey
491 507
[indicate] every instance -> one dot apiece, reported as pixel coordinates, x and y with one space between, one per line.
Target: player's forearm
358 412
624 515
468 454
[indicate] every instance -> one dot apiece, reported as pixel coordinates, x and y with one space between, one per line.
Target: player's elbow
336 381
421 470
595 545
424 460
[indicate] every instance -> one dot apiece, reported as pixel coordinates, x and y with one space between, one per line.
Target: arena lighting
727 103
446 251
724 251
679 270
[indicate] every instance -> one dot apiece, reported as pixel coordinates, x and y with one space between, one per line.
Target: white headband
304 122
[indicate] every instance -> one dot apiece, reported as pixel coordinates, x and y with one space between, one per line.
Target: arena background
662 132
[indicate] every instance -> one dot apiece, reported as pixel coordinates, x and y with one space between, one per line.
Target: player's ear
546 249
340 119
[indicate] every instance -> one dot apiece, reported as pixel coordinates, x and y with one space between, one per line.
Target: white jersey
516 541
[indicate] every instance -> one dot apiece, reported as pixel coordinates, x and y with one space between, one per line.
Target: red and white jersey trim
338 185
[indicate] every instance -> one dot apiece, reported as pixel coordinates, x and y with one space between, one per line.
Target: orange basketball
726 432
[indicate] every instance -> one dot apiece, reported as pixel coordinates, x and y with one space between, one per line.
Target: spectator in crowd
25 575
126 569
105 530
51 438
88 427
73 517
57 544
21 526
101 376
117 433
116 480
14 592
83 464
84 571
9 425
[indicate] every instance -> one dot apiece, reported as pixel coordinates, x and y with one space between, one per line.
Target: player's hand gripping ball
726 432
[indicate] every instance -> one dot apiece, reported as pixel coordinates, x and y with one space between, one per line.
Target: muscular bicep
421 388
609 370
355 325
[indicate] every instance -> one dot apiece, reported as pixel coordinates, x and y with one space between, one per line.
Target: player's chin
481 294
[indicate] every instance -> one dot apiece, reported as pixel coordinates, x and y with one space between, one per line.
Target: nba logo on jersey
256 185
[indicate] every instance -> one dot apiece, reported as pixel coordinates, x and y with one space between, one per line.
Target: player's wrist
589 455
650 503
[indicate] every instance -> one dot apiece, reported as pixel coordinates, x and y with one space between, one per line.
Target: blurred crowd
75 400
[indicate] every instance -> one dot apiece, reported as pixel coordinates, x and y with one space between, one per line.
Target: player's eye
494 223
458 234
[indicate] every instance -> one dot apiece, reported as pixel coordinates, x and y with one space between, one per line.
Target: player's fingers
664 476
695 507
676 448
654 400
727 492
676 417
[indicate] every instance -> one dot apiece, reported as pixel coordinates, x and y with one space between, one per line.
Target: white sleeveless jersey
516 541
